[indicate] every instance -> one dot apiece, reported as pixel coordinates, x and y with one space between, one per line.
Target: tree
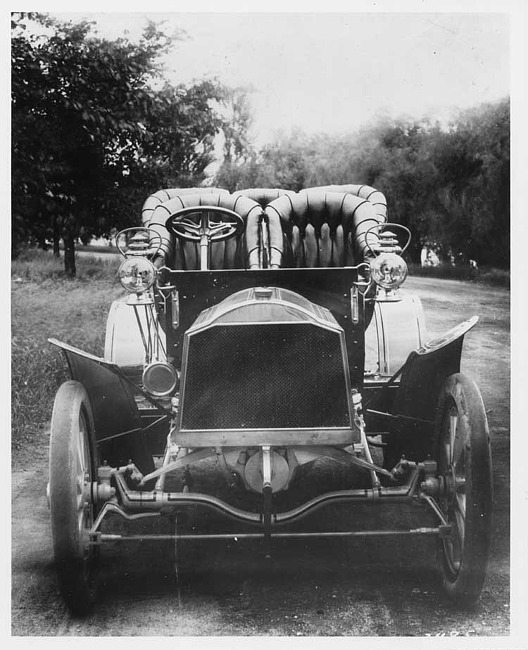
281 163
238 167
448 184
89 129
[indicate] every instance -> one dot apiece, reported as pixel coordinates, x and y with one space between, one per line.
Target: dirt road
379 588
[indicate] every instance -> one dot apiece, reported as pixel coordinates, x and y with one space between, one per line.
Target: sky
333 72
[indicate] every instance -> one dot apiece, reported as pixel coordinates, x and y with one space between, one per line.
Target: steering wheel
205 224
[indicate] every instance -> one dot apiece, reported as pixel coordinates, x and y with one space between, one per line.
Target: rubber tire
75 562
463 578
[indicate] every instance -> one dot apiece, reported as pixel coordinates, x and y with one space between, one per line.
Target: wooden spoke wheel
72 470
464 465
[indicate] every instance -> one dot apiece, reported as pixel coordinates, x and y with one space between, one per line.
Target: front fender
425 371
406 404
118 425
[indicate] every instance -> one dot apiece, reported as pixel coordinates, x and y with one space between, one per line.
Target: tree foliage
95 128
449 184
238 151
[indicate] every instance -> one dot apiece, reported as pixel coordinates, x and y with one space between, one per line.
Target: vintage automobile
262 332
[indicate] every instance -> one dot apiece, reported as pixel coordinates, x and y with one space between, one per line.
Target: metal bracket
267 492
360 423
354 304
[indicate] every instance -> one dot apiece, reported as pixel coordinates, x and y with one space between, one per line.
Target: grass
44 304
96 248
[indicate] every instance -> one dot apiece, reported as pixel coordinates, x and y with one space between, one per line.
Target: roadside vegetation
46 304
463 272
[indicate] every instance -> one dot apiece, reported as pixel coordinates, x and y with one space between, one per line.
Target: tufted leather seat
152 202
229 254
320 229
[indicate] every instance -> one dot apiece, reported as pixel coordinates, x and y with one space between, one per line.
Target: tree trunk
56 237
69 255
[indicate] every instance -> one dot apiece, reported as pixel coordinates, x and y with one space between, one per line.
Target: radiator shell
265 359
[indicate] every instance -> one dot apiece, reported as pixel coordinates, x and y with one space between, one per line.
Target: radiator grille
264 376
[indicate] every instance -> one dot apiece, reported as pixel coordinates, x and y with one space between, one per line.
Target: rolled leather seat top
263 195
371 194
152 202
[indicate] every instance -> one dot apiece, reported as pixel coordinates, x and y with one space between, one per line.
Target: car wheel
72 470
464 465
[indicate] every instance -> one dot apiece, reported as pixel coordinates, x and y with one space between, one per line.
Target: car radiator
264 359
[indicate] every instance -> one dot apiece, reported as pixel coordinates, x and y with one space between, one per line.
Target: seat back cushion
323 229
229 254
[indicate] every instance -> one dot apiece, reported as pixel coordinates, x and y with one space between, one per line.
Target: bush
496 277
